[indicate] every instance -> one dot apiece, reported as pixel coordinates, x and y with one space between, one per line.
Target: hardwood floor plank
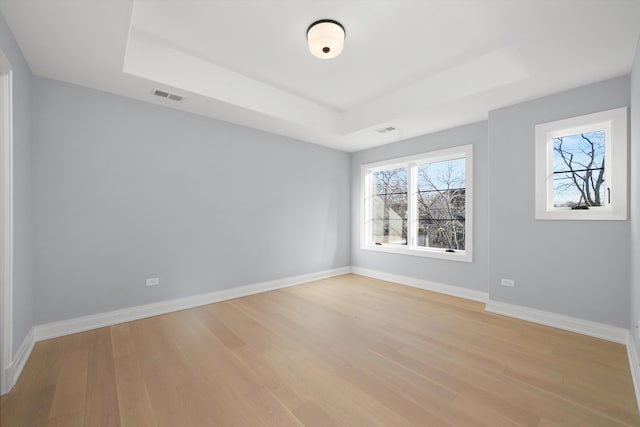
483 413
385 396
68 420
311 415
163 368
17 411
210 403
101 407
342 400
133 400
201 348
121 341
43 366
270 409
224 334
280 382
168 407
29 402
71 384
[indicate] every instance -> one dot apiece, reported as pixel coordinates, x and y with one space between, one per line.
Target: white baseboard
455 291
634 365
94 321
560 321
5 382
18 362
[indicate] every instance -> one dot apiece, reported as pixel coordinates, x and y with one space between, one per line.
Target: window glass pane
441 204
389 207
578 170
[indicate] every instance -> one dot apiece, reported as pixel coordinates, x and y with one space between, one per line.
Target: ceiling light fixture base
326 38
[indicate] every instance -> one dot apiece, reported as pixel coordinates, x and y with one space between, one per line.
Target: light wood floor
343 351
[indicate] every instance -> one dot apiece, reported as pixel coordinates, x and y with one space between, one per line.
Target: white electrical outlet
153 281
508 282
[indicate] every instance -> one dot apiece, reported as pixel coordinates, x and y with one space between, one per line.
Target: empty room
319 213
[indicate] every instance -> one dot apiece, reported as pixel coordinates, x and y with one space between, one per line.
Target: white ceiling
419 66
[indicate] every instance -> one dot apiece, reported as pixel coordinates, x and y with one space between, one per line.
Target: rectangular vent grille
165 94
385 130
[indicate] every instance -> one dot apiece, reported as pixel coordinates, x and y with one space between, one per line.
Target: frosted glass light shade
326 38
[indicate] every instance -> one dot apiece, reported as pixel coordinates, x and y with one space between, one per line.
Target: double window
420 205
581 167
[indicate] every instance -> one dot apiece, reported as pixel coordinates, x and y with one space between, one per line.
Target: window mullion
608 169
550 193
412 188
366 207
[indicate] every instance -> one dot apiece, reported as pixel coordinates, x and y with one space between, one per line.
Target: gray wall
125 190
635 198
23 281
575 268
468 275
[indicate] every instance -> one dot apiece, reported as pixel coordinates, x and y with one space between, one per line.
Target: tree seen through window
441 204
579 170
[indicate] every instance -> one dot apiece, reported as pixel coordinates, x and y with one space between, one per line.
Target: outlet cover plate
510 283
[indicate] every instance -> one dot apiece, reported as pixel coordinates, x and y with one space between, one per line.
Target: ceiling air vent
385 130
165 94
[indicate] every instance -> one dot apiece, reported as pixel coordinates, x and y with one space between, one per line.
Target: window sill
594 214
462 256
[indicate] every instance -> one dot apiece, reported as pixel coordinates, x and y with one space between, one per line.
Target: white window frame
411 163
614 123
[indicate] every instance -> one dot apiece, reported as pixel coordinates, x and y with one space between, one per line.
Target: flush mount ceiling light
326 38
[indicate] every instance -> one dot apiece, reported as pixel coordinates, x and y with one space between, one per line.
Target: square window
581 167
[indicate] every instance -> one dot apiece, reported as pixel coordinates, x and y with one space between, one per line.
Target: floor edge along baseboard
634 365
85 323
560 321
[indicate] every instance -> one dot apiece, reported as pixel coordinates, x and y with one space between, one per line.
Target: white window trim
465 151
614 122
